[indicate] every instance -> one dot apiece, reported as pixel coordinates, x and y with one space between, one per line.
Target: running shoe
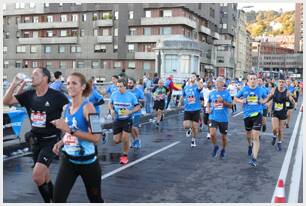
188 132
193 144
137 144
214 153
124 160
208 136
250 150
222 154
279 146
253 162
264 128
273 141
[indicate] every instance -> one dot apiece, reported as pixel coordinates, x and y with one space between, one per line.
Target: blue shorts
136 121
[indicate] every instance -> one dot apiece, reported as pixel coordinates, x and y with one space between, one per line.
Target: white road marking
138 160
296 173
286 163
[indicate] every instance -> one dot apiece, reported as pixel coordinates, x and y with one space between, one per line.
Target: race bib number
278 106
287 104
38 119
218 105
70 140
252 100
191 99
122 112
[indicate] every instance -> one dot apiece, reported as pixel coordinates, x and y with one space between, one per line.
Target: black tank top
279 101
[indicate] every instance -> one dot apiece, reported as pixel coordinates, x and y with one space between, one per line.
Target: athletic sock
193 139
50 187
44 191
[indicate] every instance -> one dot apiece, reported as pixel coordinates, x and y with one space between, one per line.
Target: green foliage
258 23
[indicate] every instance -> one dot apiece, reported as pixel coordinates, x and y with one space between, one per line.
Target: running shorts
193 116
254 122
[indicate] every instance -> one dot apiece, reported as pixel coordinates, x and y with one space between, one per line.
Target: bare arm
9 98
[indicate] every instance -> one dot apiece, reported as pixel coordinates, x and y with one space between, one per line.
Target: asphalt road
166 169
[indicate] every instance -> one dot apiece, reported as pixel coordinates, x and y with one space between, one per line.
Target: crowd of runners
60 118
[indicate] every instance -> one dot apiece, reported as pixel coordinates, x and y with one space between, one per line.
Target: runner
122 106
79 156
192 107
289 105
232 88
170 85
264 106
279 95
219 101
43 105
206 91
58 84
251 98
137 115
112 88
159 95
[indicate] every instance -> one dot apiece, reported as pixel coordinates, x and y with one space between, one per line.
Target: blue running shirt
139 95
123 102
219 112
192 96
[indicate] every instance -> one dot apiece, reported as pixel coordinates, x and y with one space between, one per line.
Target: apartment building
299 27
101 39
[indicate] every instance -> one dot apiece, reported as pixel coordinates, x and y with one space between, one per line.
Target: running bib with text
38 119
252 100
218 105
278 106
71 143
287 104
191 99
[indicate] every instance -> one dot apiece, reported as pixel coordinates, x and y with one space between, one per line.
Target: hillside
270 23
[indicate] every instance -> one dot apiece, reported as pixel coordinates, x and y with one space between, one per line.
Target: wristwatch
73 130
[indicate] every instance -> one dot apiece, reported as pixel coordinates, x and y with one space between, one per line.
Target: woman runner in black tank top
279 95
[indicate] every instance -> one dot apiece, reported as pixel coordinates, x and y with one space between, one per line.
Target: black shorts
265 112
193 116
206 118
253 123
122 125
280 116
42 151
223 126
159 105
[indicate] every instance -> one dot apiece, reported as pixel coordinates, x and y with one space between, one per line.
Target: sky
267 6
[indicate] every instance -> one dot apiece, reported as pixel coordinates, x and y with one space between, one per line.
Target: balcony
50 40
224 42
150 38
205 30
103 23
104 39
168 21
48 25
145 55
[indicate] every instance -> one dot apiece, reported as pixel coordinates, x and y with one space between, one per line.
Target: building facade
299 29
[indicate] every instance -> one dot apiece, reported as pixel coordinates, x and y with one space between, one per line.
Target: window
47 49
167 13
60 4
32 5
95 64
74 32
83 17
17 5
18 64
35 34
147 31
75 49
148 14
224 26
80 64
75 17
220 59
63 32
4 49
26 34
79 4
49 65
33 48
82 32
185 63
132 31
105 32
115 48
61 49
49 33
46 5
95 32
131 65
6 64
62 65
117 64
165 30
21 49
34 64
212 12
49 18
131 47
146 66
100 48
171 63
195 64
7 35
116 15
106 15
4 7
131 14
116 32
63 18
18 20
35 19
95 16
27 19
